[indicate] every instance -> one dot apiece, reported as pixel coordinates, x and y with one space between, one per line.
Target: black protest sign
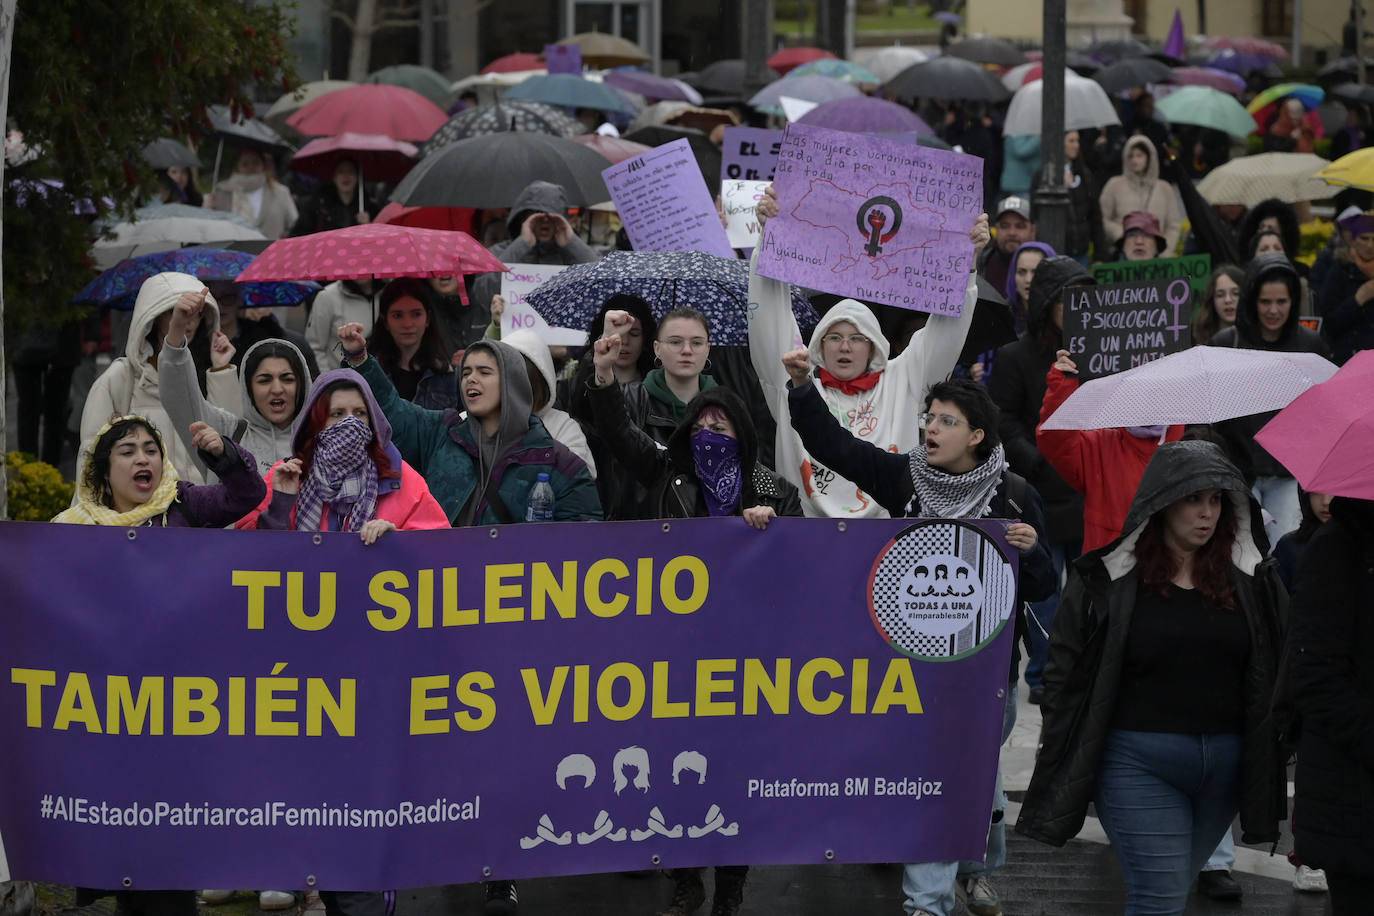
1120 325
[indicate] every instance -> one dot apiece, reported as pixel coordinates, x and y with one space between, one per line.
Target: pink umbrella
1220 80
1246 45
372 108
613 148
376 250
379 157
1326 436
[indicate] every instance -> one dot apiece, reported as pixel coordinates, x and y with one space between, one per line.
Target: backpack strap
240 428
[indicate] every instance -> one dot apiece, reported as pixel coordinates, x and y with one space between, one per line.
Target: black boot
688 892
729 889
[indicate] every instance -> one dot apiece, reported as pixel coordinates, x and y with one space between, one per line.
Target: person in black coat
1331 683
1018 390
959 471
1165 652
1343 302
335 205
1267 319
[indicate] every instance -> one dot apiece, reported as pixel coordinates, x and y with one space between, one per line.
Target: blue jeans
929 886
1165 800
1223 858
1041 619
1279 497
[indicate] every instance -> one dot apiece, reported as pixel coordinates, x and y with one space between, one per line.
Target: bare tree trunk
6 42
360 53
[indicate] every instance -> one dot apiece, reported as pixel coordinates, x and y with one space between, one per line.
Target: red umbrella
613 148
450 218
514 63
788 58
378 157
373 250
372 108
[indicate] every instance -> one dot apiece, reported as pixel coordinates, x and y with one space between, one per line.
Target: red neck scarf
859 385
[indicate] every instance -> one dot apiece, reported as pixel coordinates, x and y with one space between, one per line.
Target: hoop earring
658 363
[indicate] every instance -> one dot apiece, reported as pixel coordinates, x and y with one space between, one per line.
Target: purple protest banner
563 59
283 709
663 201
749 153
873 218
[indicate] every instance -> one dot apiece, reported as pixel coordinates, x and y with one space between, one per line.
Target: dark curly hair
96 478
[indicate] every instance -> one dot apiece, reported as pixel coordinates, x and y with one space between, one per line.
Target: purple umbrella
651 86
866 115
1220 80
948 17
1241 62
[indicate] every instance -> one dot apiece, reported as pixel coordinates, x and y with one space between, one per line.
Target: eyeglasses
855 340
944 419
677 343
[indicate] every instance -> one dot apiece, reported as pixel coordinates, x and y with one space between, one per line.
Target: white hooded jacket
562 427
130 384
887 415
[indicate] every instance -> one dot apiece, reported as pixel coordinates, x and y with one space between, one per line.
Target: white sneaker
276 900
979 897
1309 880
216 896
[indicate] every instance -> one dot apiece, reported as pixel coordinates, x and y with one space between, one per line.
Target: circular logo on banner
941 590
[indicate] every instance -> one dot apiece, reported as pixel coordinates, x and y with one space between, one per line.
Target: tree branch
345 19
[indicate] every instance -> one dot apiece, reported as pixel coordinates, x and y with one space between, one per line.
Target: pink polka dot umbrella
377 250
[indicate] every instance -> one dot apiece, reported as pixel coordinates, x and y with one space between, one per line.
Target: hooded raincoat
1018 389
1126 193
884 415
562 427
670 474
1088 648
181 397
538 197
402 499
130 384
480 479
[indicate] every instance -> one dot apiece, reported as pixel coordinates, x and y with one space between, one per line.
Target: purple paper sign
873 218
749 154
663 201
563 59
520 701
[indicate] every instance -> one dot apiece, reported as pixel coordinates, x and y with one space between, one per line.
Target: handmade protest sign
664 204
1114 327
516 284
563 59
1195 268
873 218
739 199
749 153
682 695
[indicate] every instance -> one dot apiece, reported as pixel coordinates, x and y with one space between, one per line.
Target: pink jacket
407 505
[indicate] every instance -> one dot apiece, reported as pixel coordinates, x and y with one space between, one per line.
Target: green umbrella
429 83
1206 107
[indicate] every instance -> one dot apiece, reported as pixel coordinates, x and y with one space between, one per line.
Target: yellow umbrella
602 51
1353 170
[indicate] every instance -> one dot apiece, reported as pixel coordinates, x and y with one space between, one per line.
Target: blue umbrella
118 287
571 92
716 287
835 69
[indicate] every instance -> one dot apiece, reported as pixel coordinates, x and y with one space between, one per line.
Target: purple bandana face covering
1146 432
718 469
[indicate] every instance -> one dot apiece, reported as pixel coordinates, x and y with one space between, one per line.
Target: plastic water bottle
540 507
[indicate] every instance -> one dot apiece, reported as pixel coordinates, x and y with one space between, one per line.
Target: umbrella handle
219 153
360 188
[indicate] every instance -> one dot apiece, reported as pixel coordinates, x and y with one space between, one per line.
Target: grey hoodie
516 401
181 397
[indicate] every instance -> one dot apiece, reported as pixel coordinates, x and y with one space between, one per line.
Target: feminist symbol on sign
871 221
1179 292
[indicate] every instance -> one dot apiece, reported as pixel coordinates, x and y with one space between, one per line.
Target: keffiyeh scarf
342 476
940 494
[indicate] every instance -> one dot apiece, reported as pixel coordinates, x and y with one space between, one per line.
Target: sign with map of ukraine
873 218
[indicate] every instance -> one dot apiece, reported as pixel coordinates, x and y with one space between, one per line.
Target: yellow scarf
91 510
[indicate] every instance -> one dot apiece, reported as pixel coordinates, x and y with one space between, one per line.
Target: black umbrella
1345 69
725 78
490 172
987 51
946 78
1133 72
1116 49
245 131
503 115
703 150
1353 92
167 153
1081 63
